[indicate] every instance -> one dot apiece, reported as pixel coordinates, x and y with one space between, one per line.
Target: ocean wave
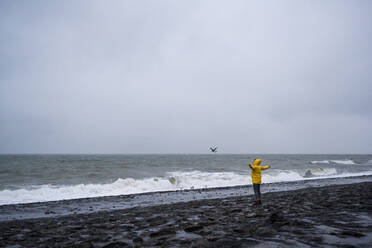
319 172
345 161
320 162
172 181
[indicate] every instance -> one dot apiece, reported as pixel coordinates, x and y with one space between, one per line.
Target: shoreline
323 216
107 203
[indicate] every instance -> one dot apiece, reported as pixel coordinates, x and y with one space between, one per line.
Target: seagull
214 149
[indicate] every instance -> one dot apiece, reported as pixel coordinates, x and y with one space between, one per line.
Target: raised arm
251 167
265 167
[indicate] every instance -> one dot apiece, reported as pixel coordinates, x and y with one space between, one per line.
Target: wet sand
329 216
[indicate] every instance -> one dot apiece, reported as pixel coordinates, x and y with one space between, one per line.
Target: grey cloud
178 76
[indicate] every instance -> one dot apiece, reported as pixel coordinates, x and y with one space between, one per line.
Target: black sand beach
329 216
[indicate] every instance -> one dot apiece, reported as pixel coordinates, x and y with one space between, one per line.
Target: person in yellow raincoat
256 178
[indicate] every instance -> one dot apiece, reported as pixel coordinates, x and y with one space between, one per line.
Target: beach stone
204 232
208 223
239 230
300 223
156 221
201 243
116 245
213 238
138 240
162 232
275 217
14 246
298 231
346 246
264 231
35 234
99 239
250 242
227 243
315 239
235 210
193 228
86 244
352 233
76 228
250 215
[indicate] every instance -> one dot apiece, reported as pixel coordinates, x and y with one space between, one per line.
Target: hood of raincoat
257 162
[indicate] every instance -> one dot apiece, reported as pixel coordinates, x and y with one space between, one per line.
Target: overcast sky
180 76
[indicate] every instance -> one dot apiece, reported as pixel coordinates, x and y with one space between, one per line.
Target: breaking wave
318 172
320 162
346 161
172 181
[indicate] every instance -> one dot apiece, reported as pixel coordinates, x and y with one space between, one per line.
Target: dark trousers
257 192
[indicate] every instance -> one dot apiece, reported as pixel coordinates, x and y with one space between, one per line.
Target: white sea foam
172 181
281 176
346 161
320 162
365 173
323 171
320 172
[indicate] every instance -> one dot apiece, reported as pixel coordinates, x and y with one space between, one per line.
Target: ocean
40 178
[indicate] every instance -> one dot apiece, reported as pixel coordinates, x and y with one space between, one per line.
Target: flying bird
214 149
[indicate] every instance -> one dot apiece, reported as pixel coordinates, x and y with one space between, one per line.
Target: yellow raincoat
256 171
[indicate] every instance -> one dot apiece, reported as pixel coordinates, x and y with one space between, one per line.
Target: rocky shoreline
329 216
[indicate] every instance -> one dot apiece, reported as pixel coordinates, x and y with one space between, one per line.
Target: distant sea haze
38 178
